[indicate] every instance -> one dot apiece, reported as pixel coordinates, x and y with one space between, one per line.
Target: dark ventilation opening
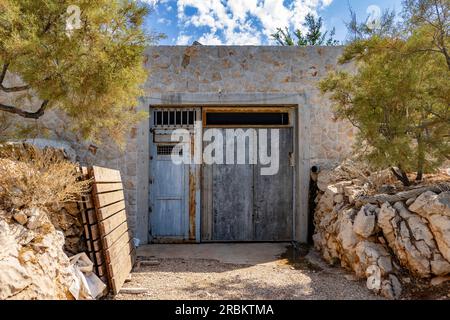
173 118
247 119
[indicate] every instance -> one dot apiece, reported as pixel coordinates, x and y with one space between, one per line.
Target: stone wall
387 239
290 70
215 70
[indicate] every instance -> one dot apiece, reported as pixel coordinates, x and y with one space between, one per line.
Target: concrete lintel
218 99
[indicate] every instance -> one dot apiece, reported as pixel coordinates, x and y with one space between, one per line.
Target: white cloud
232 21
165 21
183 40
154 2
210 39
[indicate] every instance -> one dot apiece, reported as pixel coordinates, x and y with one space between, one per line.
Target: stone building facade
255 70
199 76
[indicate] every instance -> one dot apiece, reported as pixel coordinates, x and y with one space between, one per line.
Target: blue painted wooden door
169 215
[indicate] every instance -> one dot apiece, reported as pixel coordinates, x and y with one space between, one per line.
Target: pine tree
399 99
315 36
91 68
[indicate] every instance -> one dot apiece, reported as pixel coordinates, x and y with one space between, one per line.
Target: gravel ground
307 278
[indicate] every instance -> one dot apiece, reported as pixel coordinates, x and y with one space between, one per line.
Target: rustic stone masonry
247 69
218 70
386 239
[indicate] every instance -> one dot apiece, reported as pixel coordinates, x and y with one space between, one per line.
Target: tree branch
14 89
3 74
25 114
11 89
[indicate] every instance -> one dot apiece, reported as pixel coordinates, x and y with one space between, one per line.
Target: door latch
291 159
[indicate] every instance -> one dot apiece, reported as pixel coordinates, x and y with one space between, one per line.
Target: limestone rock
34 222
376 242
365 221
21 234
31 212
440 226
353 193
412 241
323 180
370 253
392 288
439 265
410 201
341 185
20 217
347 236
437 281
13 276
339 198
72 229
440 205
436 209
31 266
421 204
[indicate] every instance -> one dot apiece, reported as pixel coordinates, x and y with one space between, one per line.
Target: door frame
191 185
152 197
208 218
299 100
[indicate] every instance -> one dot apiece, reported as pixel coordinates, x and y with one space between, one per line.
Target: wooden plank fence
108 236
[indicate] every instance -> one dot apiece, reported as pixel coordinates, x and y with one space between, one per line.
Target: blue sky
240 22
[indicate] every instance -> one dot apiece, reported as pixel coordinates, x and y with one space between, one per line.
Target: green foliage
93 73
364 30
432 18
399 99
314 36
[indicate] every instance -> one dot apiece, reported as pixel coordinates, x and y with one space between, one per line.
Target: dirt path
181 278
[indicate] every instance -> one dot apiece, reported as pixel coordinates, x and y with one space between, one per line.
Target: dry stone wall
386 239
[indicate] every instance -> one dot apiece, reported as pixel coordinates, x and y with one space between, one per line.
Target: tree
79 56
385 26
315 36
399 99
429 21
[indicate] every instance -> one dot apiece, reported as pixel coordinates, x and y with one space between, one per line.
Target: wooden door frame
302 141
206 218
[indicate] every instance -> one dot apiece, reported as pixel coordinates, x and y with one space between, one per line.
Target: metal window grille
174 118
166 150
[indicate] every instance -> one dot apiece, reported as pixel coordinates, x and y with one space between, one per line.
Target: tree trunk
401 196
420 159
401 176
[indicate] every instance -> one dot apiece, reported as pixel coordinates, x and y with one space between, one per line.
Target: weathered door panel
232 202
168 216
241 205
273 196
174 192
